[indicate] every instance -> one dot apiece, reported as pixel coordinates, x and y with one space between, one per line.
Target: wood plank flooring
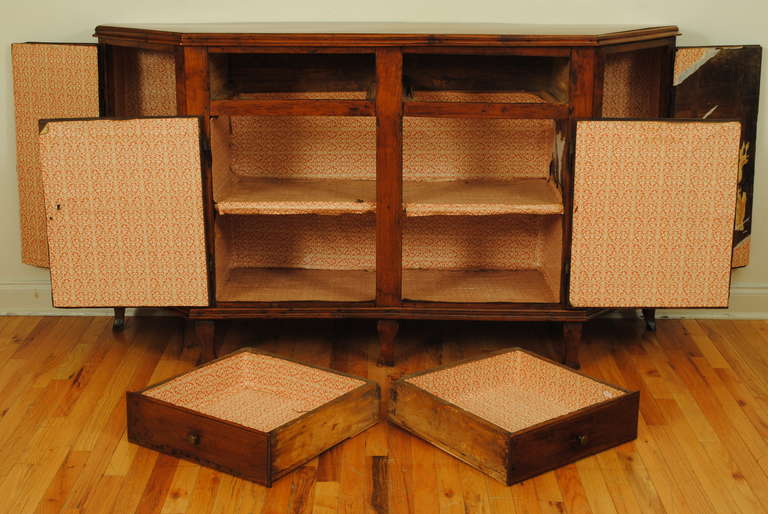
702 445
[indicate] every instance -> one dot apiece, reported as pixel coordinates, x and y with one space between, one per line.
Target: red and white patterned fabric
433 148
741 253
688 60
124 204
49 81
476 149
631 85
255 390
151 90
309 147
514 390
653 213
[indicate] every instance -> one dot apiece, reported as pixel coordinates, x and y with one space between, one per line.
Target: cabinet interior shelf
458 198
334 196
292 107
486 110
485 104
278 196
477 286
334 107
297 285
470 286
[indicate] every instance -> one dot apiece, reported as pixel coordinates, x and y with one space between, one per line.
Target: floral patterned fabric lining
255 390
514 390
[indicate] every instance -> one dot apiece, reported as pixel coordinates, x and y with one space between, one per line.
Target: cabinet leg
650 319
118 324
571 341
205 332
387 329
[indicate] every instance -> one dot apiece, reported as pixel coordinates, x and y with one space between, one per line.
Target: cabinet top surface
380 34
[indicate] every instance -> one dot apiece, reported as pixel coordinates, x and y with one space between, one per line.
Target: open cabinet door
653 213
724 83
49 81
124 206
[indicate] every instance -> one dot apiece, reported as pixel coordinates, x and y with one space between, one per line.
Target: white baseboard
748 301
34 299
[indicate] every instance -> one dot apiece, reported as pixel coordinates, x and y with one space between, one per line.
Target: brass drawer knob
193 438
583 439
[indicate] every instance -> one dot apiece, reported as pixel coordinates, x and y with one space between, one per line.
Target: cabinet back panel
300 241
432 72
241 75
507 258
314 147
476 149
347 242
303 147
506 242
149 82
632 84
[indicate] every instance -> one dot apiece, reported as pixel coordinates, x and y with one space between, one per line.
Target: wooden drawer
513 415
251 414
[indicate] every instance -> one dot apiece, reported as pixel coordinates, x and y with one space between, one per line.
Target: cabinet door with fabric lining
723 82
50 80
124 206
653 213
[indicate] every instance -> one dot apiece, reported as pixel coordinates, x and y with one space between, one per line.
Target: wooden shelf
277 196
332 197
298 95
473 198
554 111
292 107
477 286
486 104
297 285
494 97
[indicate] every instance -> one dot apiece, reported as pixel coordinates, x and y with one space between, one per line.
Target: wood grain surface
702 444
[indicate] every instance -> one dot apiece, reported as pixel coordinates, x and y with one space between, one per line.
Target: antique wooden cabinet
386 171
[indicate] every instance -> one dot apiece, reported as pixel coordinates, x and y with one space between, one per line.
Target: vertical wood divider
586 96
666 90
106 84
193 99
389 177
586 81
115 80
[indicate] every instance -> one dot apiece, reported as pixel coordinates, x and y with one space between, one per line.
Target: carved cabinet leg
118 324
571 341
650 319
205 331
387 329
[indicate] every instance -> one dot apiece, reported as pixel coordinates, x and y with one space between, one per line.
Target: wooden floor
703 443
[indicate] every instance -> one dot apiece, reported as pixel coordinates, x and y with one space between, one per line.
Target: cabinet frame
584 82
586 54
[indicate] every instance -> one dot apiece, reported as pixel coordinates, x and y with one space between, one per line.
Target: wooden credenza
386 171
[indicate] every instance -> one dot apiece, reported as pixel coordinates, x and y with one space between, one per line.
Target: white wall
703 22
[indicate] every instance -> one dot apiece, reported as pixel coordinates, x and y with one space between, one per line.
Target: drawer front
572 437
199 438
